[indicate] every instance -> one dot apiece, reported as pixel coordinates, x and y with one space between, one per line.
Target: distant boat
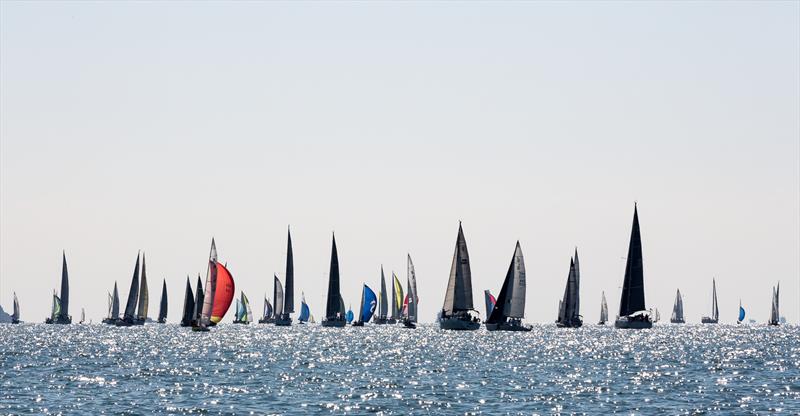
457 308
219 290
60 312
677 310
741 313
144 297
285 318
369 301
83 316
162 308
411 306
188 304
113 307
129 316
603 310
334 307
774 315
15 310
656 315
243 315
312 321
267 316
632 310
490 301
714 318
349 315
569 314
397 300
305 311
383 303
509 309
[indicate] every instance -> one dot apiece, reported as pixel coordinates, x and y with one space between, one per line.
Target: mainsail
267 308
133 294
15 313
384 298
188 304
511 300
162 309
458 297
490 301
603 309
569 307
144 297
56 310
278 297
413 298
677 309
774 315
288 296
714 305
63 314
632 299
333 308
83 316
115 303
199 301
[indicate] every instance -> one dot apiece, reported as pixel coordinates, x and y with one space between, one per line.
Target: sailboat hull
283 321
334 323
380 321
707 320
624 323
677 321
266 321
357 323
574 323
59 321
458 324
409 324
506 326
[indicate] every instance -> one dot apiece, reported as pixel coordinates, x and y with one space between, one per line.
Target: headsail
413 297
677 308
603 309
278 297
188 304
333 309
115 303
223 296
511 300
199 301
490 301
56 310
133 294
775 315
632 299
144 294
458 297
384 298
714 305
397 293
162 309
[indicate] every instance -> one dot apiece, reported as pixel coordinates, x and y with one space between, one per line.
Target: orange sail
224 293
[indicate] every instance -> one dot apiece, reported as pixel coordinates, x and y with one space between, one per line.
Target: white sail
210 286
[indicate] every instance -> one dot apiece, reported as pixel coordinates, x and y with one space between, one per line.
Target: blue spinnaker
349 316
304 312
369 305
741 314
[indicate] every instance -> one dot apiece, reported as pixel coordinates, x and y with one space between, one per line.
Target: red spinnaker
224 293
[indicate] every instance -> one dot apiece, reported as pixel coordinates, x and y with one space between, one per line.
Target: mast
211 286
64 311
144 297
458 297
632 299
288 302
413 299
162 309
511 300
384 304
133 294
334 306
277 297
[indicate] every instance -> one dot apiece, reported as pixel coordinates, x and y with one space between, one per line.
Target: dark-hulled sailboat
509 309
457 310
268 316
15 310
243 315
410 311
60 311
113 307
334 305
714 318
162 307
677 310
369 301
633 313
569 314
188 304
383 303
775 312
129 316
603 310
285 318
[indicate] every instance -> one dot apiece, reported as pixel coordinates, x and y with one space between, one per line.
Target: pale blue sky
156 126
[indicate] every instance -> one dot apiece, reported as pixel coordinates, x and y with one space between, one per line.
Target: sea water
264 369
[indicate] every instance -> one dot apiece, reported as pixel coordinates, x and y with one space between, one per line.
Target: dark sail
133 294
395 312
632 299
199 298
511 300
459 287
384 304
188 304
288 290
115 303
333 309
162 310
64 288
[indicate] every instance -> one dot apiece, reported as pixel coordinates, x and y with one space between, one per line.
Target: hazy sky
155 126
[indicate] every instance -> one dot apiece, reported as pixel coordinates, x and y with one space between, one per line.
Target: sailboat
349 315
305 312
219 290
15 311
509 309
656 315
188 304
569 315
244 315
383 304
714 318
144 297
457 308
741 313
312 320
369 301
677 310
411 308
60 312
199 299
334 307
285 318
162 308
633 313
490 301
774 314
397 300
83 316
113 307
603 310
267 316
129 317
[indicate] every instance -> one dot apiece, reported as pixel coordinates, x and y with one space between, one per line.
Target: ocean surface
263 369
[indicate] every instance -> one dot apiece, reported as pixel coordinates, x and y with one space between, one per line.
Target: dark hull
266 321
241 322
632 324
409 324
15 321
334 323
391 321
161 321
505 326
200 329
59 321
380 321
184 324
283 321
110 321
707 320
677 321
458 324
773 323
601 323
124 322
357 323
572 324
